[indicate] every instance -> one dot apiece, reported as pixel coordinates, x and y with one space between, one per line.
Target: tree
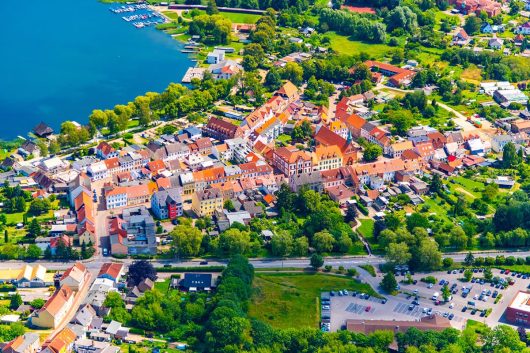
234 241
54 147
273 79
446 293
343 243
510 158
300 246
140 270
34 227
316 261
398 253
488 275
113 300
472 25
6 236
33 252
372 152
389 283
468 274
436 184
16 301
293 72
417 220
323 241
211 8
282 244
448 262
351 213
37 303
187 240
229 206
428 255
469 259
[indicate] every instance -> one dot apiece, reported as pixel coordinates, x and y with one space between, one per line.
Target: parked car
368 308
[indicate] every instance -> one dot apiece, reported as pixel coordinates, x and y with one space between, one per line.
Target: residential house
33 276
133 233
326 157
167 203
55 309
75 277
290 161
112 271
396 149
42 130
196 282
225 69
524 28
396 75
221 130
385 169
206 202
29 148
215 56
495 43
461 38
63 342
27 343
106 151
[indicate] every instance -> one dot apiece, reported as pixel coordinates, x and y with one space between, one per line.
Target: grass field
343 45
367 231
163 287
241 17
292 300
234 17
472 74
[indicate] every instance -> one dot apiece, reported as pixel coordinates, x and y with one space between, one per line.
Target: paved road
346 261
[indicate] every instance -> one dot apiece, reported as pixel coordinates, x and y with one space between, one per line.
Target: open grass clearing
292 300
344 45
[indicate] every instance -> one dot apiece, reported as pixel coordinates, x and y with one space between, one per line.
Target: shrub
327 268
429 279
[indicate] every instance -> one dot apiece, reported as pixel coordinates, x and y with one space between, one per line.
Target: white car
430 285
452 305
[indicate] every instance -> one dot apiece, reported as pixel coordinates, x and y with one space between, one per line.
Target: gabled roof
111 269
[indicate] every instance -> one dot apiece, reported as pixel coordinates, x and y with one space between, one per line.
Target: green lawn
171 14
292 300
343 45
163 287
241 17
366 229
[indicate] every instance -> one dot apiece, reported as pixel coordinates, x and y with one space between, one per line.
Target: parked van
435 296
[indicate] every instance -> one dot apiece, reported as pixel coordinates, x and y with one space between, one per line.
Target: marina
143 16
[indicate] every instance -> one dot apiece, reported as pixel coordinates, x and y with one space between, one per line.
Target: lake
61 59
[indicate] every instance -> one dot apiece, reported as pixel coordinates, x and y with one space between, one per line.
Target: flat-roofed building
518 312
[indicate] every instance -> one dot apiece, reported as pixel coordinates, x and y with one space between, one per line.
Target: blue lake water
60 59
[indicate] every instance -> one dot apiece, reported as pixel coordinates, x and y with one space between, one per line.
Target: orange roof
380 167
291 155
57 300
116 191
288 89
112 163
156 166
327 152
402 146
355 121
163 183
138 191
63 339
112 269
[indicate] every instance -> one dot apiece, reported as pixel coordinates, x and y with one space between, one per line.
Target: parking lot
416 300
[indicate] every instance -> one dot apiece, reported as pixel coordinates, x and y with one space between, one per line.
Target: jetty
193 72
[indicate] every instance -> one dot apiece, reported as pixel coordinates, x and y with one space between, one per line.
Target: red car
368 308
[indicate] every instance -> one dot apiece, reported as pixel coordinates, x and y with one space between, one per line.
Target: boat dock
143 16
193 72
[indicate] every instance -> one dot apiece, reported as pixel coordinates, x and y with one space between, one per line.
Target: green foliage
389 283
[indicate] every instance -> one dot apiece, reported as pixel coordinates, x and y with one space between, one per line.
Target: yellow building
326 158
204 203
55 309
